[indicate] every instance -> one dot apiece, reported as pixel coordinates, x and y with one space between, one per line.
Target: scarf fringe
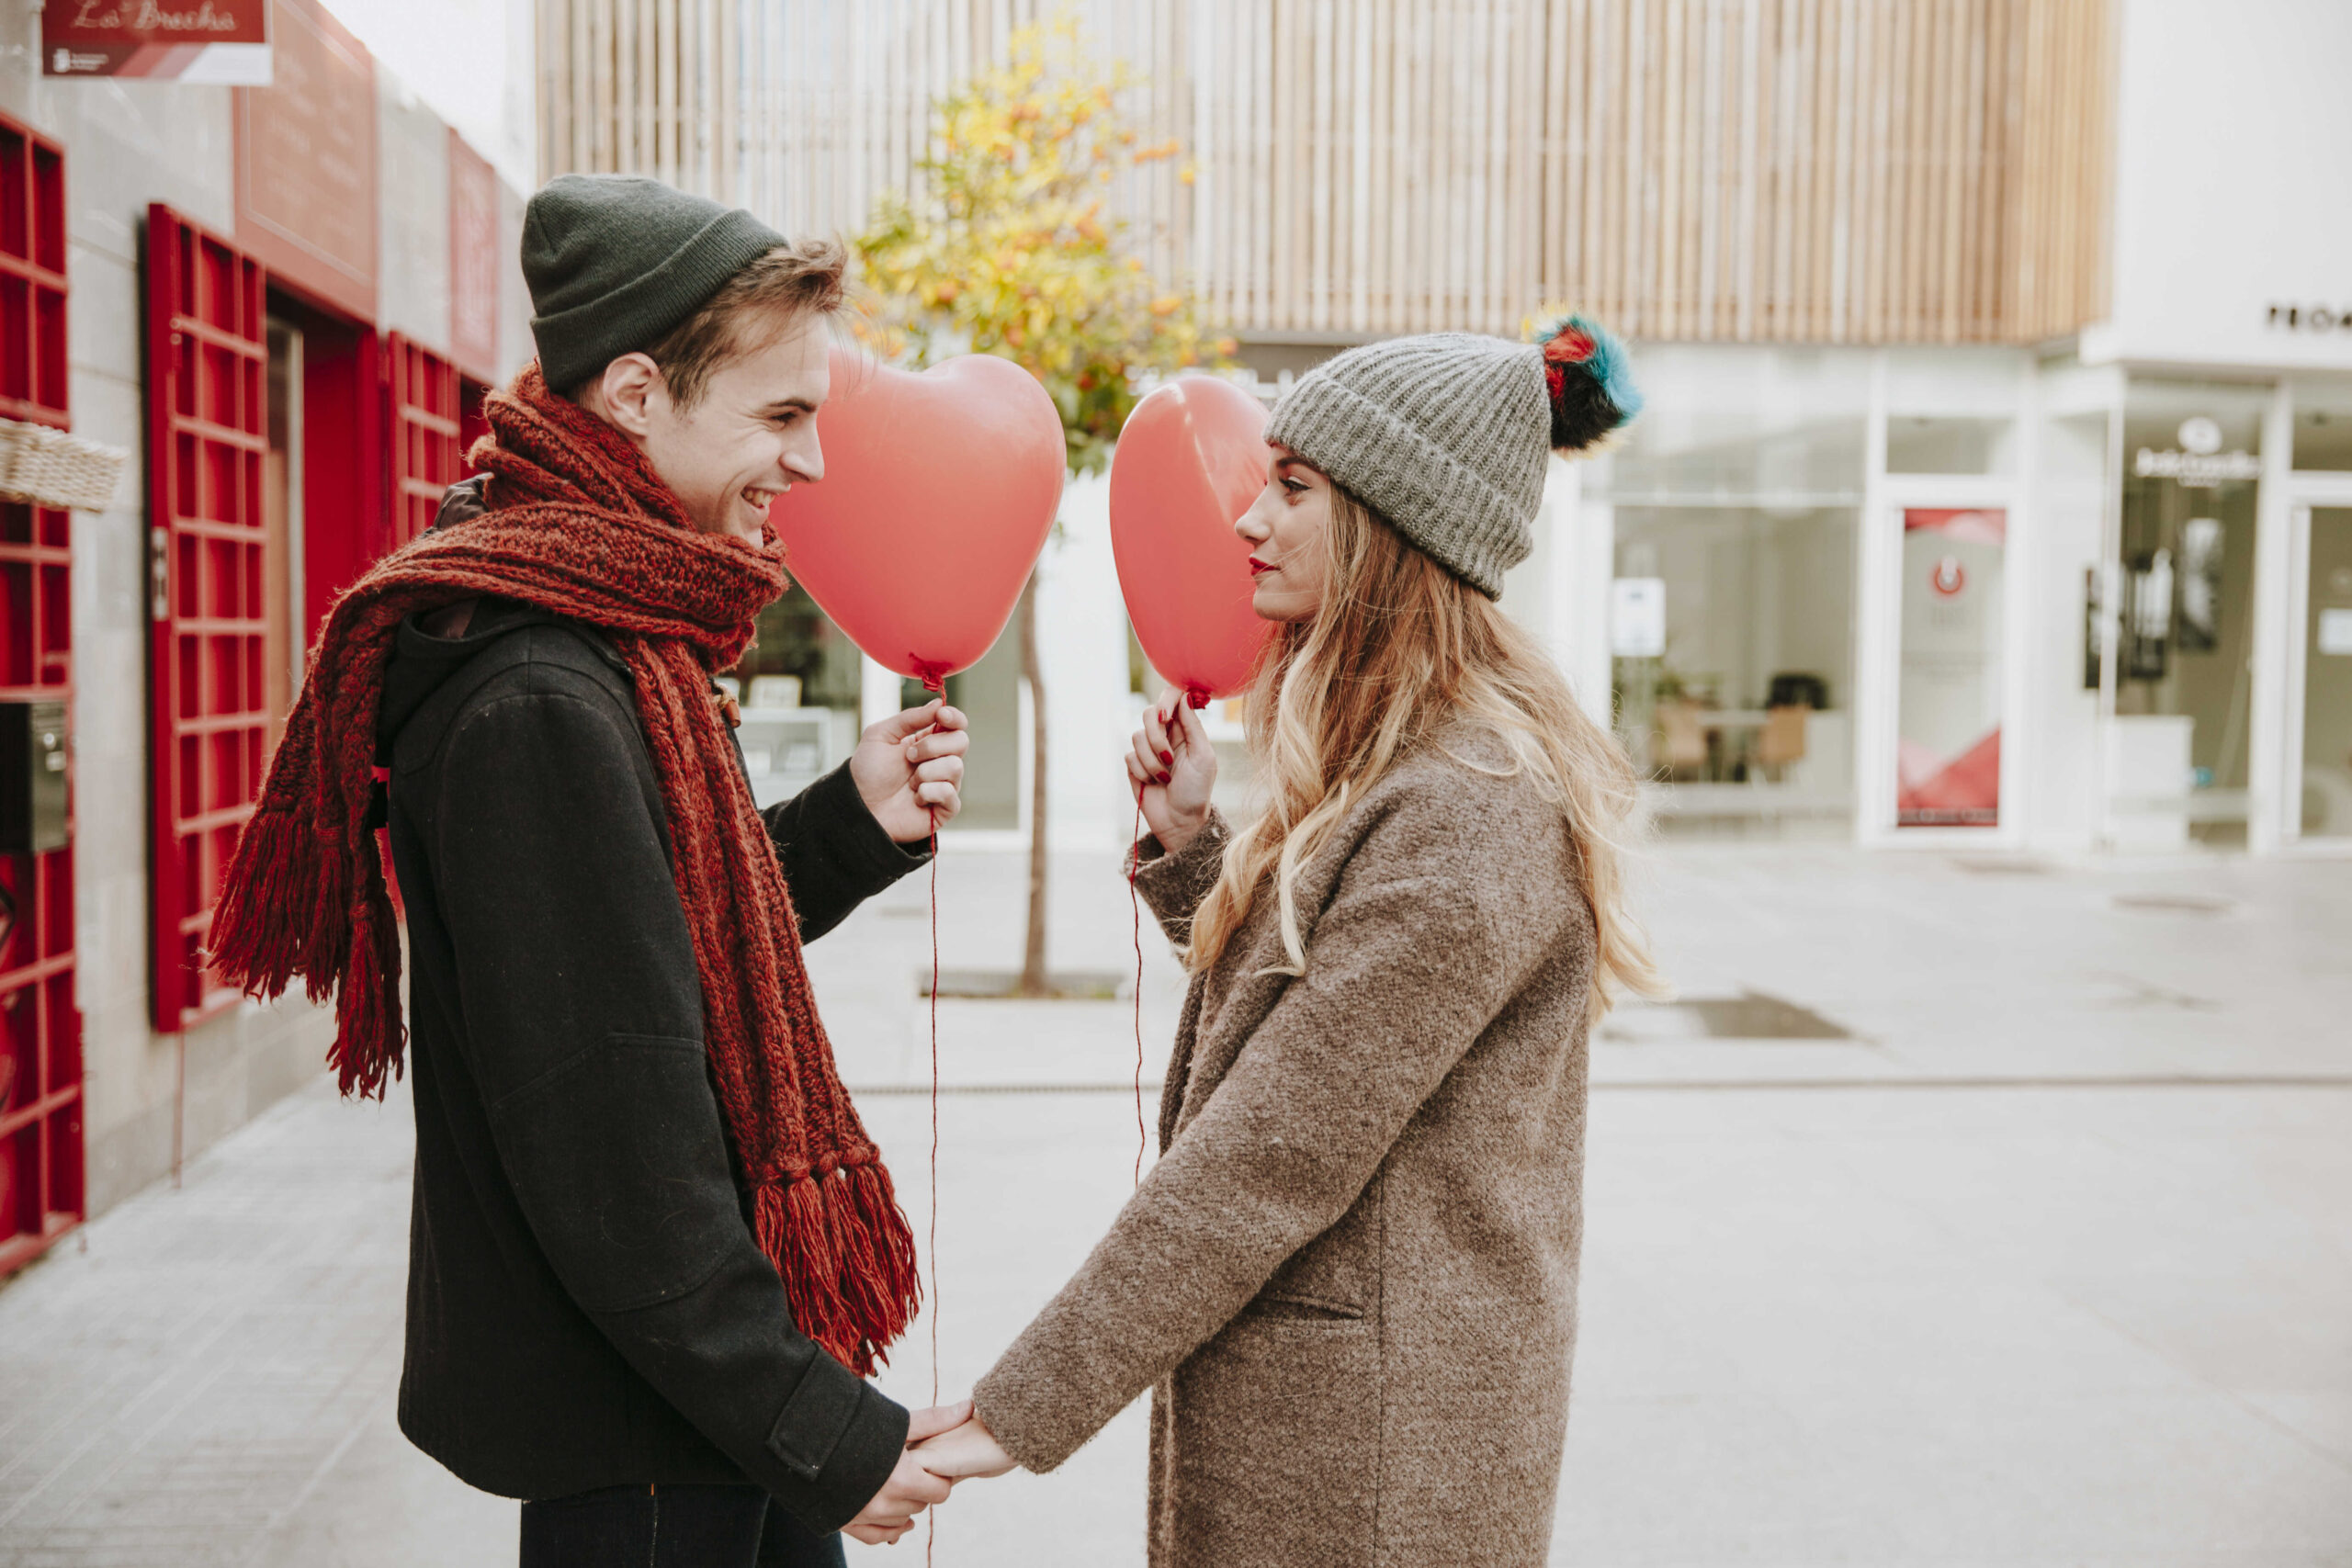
369 1032
846 1256
280 909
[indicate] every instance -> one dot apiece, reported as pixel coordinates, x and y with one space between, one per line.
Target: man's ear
626 393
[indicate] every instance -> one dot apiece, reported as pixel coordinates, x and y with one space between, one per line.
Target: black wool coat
587 1306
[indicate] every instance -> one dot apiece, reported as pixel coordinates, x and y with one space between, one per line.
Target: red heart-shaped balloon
940 490
1190 459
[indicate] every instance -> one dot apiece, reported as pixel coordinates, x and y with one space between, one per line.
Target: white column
2273 776
1082 648
877 692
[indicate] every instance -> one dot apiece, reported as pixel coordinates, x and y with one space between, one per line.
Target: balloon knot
1196 698
933 678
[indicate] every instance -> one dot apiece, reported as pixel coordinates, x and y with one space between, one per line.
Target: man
644 1210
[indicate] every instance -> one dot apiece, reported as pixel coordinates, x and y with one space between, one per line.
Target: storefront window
1919 444
2327 677
799 658
1735 637
2183 700
2324 426
1734 504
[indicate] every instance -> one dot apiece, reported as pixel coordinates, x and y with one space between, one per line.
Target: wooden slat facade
1783 171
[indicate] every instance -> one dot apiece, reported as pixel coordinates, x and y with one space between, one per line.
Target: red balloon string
1134 907
930 1519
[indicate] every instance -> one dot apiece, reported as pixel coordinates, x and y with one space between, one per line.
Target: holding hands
1173 768
911 1487
945 1444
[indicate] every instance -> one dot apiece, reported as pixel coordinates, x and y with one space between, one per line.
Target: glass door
1948 698
2326 706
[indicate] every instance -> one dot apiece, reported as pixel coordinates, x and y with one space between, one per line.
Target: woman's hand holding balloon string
1173 768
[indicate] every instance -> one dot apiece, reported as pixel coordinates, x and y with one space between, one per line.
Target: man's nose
806 462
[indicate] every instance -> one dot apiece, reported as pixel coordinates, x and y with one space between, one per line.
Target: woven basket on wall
49 468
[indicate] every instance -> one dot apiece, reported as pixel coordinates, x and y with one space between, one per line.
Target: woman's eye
1294 487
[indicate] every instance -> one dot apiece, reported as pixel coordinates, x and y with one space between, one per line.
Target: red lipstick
1259 568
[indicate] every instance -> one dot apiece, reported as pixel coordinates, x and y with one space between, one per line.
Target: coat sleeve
584 1022
1174 885
1430 932
835 854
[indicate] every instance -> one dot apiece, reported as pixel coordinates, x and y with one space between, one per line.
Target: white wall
1082 648
413 238
2231 123
471 61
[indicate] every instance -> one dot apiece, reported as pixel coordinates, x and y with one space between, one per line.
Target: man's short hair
749 312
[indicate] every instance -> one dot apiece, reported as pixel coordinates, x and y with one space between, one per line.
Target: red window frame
208 434
425 417
42 1173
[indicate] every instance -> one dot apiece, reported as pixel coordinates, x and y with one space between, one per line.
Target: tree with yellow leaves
1011 250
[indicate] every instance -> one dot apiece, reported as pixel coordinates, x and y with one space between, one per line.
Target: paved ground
2050 1263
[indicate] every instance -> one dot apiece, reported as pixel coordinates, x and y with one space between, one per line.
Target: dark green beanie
614 260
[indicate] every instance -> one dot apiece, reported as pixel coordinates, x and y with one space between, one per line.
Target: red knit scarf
579 526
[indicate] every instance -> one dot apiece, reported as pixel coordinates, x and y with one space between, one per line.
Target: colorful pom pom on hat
1586 376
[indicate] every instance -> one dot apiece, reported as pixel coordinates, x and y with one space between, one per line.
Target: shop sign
473 261
2199 462
222 43
2309 319
306 162
1637 617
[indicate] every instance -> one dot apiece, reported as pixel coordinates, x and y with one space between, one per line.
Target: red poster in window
219 42
306 162
41 1187
1948 729
207 437
473 261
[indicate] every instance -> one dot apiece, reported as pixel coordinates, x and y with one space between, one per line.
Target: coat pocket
1272 1441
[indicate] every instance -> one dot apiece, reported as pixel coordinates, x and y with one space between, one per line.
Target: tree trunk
1034 980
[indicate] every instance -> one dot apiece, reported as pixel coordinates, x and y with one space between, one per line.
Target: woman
1350 1279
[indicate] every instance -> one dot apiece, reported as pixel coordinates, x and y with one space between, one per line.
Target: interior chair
1683 741
1782 740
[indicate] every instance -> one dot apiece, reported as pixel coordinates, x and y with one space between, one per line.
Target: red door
206 436
41 1029
425 461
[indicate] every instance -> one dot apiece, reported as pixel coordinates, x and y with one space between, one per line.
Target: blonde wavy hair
1399 647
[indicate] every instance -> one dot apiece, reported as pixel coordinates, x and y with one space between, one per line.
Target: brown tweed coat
1351 1281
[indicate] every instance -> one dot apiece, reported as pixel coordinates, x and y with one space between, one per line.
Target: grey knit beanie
614 260
1445 434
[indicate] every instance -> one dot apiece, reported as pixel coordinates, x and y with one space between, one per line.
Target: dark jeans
671 1526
